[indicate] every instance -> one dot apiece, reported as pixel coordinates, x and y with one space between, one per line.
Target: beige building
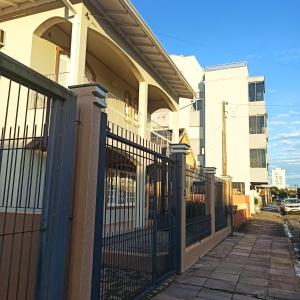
236 137
278 178
107 42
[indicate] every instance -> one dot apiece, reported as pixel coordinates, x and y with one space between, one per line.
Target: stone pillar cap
179 148
209 170
94 89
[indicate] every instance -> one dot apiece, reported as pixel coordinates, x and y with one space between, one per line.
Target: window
258 158
257 124
256 91
120 188
238 188
198 105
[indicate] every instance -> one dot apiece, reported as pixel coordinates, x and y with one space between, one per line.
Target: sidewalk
255 263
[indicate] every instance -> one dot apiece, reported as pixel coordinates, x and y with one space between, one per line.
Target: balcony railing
122 114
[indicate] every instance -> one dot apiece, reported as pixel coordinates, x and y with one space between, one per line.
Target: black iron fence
220 204
198 219
35 134
137 243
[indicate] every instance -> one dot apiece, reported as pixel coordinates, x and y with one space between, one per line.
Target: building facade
279 178
258 132
236 126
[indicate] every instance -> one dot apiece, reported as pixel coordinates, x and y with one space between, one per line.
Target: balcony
123 114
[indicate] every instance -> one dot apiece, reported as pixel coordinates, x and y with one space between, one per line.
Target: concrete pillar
210 173
175 127
178 154
78 47
143 109
90 101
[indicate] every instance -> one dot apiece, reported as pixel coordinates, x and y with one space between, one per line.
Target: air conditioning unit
2 38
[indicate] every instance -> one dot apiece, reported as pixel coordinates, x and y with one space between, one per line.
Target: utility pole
224 134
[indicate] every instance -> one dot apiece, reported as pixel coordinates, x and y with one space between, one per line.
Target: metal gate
137 238
36 163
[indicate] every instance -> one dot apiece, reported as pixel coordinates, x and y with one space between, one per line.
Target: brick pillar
178 154
90 102
210 172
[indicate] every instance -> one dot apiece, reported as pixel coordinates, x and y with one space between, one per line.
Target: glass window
120 188
238 188
259 91
257 124
256 91
198 105
251 88
258 158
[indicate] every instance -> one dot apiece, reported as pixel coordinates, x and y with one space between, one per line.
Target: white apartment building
236 127
258 132
226 123
278 178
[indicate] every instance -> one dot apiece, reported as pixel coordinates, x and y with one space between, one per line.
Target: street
293 224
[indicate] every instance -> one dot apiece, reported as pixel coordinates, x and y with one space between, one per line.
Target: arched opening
158 99
106 63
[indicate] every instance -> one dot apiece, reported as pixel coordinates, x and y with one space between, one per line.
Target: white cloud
272 91
294 113
289 54
280 116
277 123
285 137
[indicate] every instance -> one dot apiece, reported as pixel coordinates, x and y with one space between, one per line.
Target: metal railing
220 204
136 239
36 133
198 220
119 112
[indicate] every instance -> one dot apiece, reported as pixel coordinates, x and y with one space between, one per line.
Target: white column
175 126
78 47
143 109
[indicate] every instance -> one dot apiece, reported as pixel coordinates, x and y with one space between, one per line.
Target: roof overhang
122 15
256 79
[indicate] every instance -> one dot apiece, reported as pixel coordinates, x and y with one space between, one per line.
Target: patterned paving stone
243 267
251 289
284 294
220 285
225 276
181 291
209 294
253 280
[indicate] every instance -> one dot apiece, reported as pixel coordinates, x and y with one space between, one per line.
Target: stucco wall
230 85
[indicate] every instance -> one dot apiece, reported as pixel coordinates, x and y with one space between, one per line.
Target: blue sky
266 33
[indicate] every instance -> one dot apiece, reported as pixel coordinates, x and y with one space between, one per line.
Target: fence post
210 172
178 154
90 99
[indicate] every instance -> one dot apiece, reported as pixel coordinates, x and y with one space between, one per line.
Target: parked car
291 205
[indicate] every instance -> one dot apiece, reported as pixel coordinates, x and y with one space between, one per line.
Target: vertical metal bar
154 237
100 205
